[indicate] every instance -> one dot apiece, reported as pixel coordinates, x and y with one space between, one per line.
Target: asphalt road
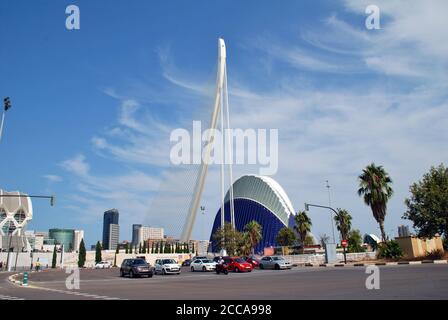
396 282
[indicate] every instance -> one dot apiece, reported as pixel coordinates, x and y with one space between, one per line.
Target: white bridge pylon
221 104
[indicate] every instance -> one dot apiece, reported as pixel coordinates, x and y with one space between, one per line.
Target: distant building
63 237
135 230
78 236
403 231
114 237
141 233
110 241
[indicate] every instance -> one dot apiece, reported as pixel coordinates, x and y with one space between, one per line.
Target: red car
254 262
238 264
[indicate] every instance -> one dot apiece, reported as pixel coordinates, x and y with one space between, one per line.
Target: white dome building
15 212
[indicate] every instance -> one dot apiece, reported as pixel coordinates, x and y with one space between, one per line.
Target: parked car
200 258
136 267
167 266
103 265
236 264
203 265
254 262
186 263
275 262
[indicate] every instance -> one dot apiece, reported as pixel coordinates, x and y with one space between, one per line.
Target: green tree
375 188
285 237
144 247
126 248
140 248
245 245
82 254
130 249
227 238
98 249
302 225
53 262
427 207
152 248
354 241
254 233
323 239
343 221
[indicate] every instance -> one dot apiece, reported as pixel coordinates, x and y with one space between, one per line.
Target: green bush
389 250
445 242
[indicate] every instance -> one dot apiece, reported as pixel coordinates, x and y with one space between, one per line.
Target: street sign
344 243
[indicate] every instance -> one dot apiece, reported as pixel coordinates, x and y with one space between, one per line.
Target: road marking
3 297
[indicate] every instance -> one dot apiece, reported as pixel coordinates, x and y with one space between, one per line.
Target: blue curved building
261 199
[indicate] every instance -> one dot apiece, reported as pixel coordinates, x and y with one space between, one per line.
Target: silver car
275 262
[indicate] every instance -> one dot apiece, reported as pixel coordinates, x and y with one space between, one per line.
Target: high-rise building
403 231
114 237
110 218
135 230
79 235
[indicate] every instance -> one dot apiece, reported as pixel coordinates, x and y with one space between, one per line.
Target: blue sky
93 108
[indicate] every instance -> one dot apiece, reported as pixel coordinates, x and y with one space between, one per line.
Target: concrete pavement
396 282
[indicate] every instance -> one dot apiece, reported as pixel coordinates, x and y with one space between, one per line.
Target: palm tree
254 232
374 186
245 244
343 221
302 225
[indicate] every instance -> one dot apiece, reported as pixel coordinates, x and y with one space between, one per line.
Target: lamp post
307 208
6 105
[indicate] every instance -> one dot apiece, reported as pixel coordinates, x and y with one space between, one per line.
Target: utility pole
329 205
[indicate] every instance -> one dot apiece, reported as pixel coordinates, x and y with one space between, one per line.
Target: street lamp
307 208
6 105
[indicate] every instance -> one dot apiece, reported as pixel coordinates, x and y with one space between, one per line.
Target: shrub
435 254
445 242
389 250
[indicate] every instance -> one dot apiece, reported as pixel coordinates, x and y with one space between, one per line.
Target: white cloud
76 165
53 178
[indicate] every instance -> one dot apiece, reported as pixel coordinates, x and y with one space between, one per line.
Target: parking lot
397 282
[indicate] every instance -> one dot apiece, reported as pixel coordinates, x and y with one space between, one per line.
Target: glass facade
245 212
64 237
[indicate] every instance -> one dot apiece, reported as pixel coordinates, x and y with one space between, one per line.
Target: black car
186 263
136 267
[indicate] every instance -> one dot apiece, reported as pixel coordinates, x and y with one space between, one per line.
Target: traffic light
307 207
7 103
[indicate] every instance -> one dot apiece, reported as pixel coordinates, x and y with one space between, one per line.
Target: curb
324 265
309 265
12 279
